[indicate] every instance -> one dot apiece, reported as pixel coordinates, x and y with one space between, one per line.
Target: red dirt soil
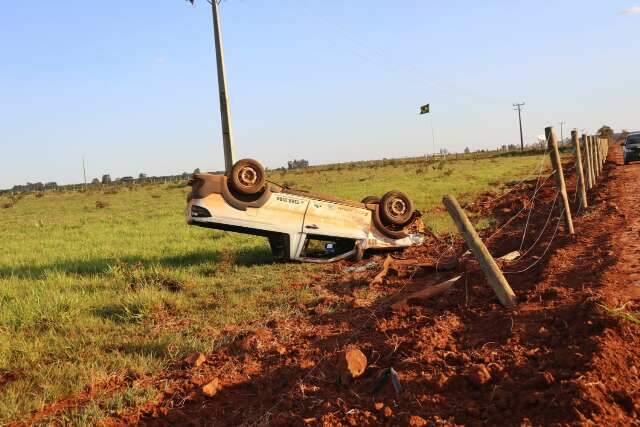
558 358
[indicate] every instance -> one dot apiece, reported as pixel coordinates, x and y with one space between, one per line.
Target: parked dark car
632 148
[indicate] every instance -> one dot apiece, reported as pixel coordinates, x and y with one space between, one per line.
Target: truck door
336 220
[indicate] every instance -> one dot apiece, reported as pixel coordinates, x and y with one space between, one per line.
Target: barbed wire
580 206
538 187
546 224
555 232
530 207
504 225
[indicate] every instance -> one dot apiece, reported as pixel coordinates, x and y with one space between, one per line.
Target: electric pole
84 172
519 109
227 139
562 132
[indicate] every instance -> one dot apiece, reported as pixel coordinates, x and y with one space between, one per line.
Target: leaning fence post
587 161
581 183
550 134
491 270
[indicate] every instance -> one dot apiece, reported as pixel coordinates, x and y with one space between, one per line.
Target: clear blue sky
131 84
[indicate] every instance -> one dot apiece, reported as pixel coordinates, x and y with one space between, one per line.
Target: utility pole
227 139
562 132
519 109
84 172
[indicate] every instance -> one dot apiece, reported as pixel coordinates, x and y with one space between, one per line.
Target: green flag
425 109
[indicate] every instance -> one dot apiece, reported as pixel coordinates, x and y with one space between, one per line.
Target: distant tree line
95 182
297 164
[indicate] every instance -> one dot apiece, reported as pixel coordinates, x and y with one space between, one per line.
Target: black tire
385 229
396 208
371 200
247 177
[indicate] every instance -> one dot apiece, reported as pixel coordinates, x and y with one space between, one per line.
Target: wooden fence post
587 161
550 134
600 154
580 171
487 263
593 160
596 150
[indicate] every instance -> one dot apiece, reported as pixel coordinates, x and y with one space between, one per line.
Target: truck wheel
247 177
371 200
386 229
396 208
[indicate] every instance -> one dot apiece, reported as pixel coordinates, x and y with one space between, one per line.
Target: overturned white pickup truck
300 225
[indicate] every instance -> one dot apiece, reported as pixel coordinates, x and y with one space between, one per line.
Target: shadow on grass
246 257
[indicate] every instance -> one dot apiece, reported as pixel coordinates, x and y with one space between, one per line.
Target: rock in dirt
256 341
550 293
478 375
416 421
541 380
351 365
211 389
440 381
195 359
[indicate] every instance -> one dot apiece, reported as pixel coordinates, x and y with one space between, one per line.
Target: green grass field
93 296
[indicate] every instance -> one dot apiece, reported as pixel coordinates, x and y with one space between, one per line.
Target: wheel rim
398 207
248 176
